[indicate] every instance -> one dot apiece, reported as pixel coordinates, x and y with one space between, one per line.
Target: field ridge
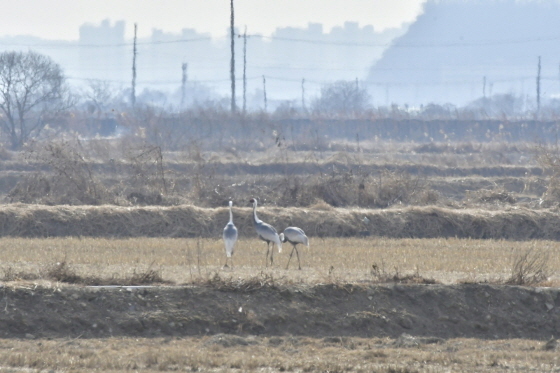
19 220
379 310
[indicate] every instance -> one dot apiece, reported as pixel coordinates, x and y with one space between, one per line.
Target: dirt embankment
324 221
469 310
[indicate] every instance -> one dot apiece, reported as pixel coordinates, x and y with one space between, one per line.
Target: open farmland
436 256
358 304
99 261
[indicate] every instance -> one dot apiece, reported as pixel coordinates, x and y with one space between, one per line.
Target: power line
426 44
321 82
76 44
410 45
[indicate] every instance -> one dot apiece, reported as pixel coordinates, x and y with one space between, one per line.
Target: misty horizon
453 53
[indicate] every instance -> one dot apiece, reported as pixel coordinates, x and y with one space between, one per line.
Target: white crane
295 236
230 236
266 232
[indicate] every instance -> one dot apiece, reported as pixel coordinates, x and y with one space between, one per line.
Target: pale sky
61 19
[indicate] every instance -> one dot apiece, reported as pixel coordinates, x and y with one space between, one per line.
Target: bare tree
342 99
32 92
98 96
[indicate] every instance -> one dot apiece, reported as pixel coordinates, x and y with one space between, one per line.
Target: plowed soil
479 311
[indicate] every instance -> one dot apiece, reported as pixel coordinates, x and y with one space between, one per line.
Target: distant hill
455 46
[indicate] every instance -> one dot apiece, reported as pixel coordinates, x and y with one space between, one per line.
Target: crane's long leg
231 262
266 259
290 258
297 253
272 256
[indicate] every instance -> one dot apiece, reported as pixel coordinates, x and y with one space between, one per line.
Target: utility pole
245 70
303 94
539 85
264 90
232 62
133 94
183 83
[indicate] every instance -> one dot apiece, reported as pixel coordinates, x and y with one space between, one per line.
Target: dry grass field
226 353
111 256
47 276
329 260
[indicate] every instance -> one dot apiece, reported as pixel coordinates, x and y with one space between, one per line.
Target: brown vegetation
368 174
225 352
102 261
414 246
319 220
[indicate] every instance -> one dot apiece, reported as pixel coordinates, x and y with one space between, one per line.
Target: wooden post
183 83
264 90
133 94
245 70
232 62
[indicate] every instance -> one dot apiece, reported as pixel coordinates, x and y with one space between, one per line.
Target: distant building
104 53
286 58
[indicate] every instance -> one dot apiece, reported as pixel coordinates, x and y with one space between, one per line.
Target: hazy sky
61 19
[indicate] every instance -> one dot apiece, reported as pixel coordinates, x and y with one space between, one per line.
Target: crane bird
295 236
266 232
230 236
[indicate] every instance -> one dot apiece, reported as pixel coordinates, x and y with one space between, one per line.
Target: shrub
529 268
65 176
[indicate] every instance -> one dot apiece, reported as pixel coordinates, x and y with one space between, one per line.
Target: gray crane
295 236
230 237
266 232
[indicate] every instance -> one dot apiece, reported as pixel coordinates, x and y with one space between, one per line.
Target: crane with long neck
295 236
230 236
266 232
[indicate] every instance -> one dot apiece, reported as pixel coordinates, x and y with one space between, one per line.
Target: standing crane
295 236
266 232
230 236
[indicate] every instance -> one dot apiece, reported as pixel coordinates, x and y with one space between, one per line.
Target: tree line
35 98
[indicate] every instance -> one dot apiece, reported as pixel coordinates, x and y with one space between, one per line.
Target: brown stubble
346 260
284 353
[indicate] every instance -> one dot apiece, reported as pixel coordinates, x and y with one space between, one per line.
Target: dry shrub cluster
74 172
244 285
146 182
71 173
351 188
69 180
548 157
130 171
10 274
379 274
530 267
64 272
496 195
